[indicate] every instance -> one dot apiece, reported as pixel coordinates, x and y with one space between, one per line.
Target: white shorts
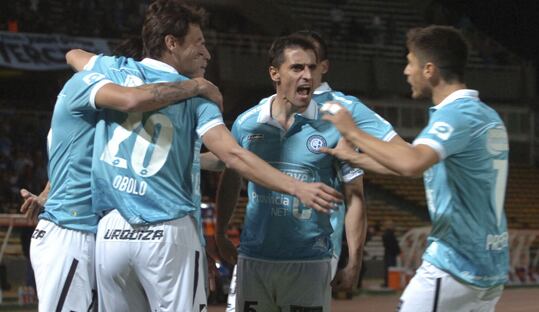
163 261
63 263
231 300
285 286
334 265
432 289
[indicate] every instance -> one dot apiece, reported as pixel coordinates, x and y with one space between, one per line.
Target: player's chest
299 145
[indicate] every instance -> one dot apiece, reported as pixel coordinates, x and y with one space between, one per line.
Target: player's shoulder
250 116
344 99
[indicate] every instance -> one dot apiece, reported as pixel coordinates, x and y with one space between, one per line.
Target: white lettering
129 185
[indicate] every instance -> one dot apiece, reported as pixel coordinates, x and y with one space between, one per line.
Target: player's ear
170 42
274 74
428 70
325 66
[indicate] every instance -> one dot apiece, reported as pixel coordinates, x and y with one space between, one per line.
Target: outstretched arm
404 159
346 152
33 205
314 195
356 232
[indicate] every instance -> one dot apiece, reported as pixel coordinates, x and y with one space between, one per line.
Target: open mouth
304 90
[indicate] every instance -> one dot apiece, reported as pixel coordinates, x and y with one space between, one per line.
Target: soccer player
62 247
346 279
285 247
143 172
463 155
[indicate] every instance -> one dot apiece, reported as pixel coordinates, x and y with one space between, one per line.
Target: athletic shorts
432 289
63 263
283 286
163 261
231 300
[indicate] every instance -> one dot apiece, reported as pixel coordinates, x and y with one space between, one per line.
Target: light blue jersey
366 120
70 153
143 164
466 190
277 226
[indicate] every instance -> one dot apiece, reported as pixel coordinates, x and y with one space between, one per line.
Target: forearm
210 162
42 197
356 228
260 172
367 163
227 199
145 98
401 159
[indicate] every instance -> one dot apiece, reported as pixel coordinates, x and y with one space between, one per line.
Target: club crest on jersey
315 142
255 137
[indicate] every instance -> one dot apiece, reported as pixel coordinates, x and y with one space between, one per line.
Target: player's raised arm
315 195
346 152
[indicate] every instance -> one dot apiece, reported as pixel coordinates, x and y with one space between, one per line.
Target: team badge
315 142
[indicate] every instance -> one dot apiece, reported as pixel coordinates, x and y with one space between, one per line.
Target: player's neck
444 89
283 111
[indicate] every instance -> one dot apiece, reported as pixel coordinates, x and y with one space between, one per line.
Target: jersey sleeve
448 132
208 115
370 122
79 92
101 63
236 131
348 173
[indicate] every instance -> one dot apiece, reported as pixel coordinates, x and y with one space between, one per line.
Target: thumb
24 193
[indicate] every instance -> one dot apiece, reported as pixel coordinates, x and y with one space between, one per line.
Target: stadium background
366 50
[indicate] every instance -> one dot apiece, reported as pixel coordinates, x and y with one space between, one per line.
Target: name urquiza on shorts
146 235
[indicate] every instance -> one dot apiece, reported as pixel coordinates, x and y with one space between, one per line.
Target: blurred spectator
391 248
336 15
376 29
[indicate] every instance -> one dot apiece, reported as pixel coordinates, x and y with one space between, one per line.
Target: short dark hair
168 17
444 46
318 39
130 47
276 51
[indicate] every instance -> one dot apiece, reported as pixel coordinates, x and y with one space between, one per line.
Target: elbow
231 157
130 103
71 55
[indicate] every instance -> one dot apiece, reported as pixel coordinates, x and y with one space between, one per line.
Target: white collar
155 64
323 88
459 94
264 116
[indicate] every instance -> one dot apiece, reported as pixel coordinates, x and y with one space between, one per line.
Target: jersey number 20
153 138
